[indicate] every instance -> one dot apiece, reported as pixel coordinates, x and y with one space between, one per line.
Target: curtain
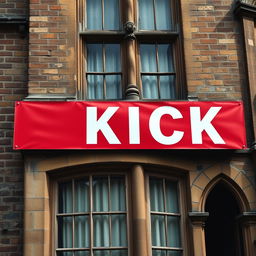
162 15
149 53
113 64
95 64
111 15
146 14
109 229
165 229
148 64
94 14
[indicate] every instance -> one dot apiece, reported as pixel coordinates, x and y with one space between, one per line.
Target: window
165 217
94 215
130 43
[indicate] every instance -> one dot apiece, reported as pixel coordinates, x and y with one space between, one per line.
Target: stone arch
231 185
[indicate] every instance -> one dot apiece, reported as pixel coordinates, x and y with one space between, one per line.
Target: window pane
159 253
113 58
82 253
94 14
64 253
82 232
173 227
118 229
165 58
149 87
100 194
163 15
172 203
82 191
113 87
95 86
158 230
65 232
110 253
167 87
94 58
101 230
119 253
174 253
148 58
156 195
146 15
111 15
101 253
65 197
117 191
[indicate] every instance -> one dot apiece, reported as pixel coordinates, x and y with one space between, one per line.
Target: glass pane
113 58
82 253
159 253
65 232
118 229
111 15
82 191
95 87
101 253
65 254
148 58
174 253
163 15
172 203
173 227
119 253
101 230
158 230
117 192
94 14
146 15
113 86
149 87
156 195
165 58
65 197
82 232
167 87
94 58
100 194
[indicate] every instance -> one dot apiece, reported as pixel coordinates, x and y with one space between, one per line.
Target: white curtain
164 198
95 64
109 230
111 15
148 57
162 13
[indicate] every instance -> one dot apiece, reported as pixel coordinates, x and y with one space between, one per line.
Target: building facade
159 202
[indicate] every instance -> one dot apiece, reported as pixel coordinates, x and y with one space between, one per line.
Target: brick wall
13 86
214 50
52 59
13 7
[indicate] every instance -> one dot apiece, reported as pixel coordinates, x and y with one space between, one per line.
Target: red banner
129 125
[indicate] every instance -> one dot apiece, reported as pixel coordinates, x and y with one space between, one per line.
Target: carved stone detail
129 28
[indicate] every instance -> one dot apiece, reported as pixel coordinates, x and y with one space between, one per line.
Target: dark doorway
222 235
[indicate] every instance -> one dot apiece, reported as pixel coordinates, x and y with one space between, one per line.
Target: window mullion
104 69
157 66
91 217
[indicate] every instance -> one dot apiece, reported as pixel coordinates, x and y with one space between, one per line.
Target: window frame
149 171
173 37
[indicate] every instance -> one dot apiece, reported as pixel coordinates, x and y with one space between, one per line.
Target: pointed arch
231 185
